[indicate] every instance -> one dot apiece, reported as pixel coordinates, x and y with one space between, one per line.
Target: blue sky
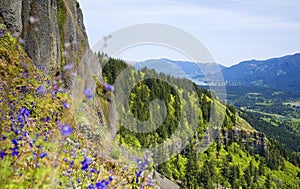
232 30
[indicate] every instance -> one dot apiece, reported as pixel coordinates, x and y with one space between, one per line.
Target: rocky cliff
52 33
47 29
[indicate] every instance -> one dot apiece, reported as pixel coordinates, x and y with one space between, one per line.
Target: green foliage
290 140
112 69
237 159
270 111
140 97
34 151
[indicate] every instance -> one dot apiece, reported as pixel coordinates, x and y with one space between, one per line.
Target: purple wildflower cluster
15 149
29 130
20 131
85 163
143 166
103 184
24 113
2 154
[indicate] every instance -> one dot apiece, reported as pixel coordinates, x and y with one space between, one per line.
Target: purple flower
69 66
25 133
4 137
71 164
102 184
66 130
91 186
150 183
23 89
73 154
88 93
55 88
24 112
41 90
138 174
16 131
2 154
15 142
14 152
15 149
11 118
66 105
85 163
47 119
107 86
43 154
92 170
65 150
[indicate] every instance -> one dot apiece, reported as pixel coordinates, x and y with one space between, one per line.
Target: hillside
266 89
234 156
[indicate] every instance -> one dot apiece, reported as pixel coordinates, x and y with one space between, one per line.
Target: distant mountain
281 73
181 69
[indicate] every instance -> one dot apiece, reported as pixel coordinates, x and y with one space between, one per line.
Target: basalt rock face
46 26
255 140
53 35
11 13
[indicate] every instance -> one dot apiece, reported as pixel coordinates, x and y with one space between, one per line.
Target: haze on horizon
232 30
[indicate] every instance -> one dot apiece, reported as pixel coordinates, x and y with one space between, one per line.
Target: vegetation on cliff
40 144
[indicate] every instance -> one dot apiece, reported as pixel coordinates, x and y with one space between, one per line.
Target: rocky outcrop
165 183
11 15
255 140
52 30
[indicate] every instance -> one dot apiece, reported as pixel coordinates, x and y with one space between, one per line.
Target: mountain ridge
279 72
181 69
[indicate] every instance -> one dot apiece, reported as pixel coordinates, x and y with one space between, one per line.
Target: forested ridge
239 157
